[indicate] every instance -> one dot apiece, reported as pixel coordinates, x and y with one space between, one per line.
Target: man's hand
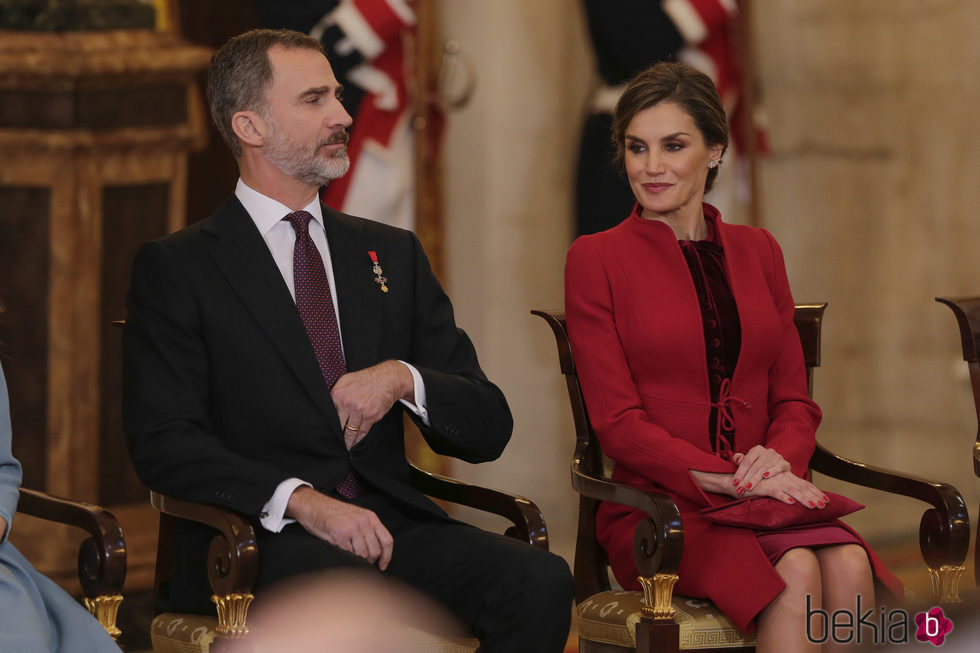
344 525
362 398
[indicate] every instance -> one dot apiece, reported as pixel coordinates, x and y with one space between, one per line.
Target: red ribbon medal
377 271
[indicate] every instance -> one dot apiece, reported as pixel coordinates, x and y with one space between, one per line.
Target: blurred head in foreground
346 612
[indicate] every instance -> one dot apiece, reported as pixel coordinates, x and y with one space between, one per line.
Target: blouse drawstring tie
725 421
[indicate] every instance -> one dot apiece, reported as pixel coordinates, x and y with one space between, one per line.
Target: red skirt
811 536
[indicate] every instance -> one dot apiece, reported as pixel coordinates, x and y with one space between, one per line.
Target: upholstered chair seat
610 617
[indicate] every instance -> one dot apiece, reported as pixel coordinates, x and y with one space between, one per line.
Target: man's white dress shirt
268 214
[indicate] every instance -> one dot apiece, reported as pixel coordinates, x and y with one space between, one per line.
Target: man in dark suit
269 354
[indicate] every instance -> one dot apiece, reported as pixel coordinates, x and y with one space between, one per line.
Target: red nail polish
820 504
792 500
741 490
748 486
810 503
735 482
766 475
826 500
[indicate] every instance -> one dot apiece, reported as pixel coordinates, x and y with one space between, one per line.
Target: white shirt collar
267 212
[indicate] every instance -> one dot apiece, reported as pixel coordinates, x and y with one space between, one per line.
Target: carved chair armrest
659 539
102 556
528 522
944 531
233 558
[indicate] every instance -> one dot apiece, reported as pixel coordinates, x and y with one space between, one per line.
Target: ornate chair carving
656 620
967 311
101 556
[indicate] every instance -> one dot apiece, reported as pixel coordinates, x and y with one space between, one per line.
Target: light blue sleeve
10 474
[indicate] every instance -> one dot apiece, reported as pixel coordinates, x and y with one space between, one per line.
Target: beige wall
870 189
509 162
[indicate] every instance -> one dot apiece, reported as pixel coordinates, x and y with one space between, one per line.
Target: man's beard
300 163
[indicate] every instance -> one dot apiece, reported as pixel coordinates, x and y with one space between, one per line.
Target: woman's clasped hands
764 472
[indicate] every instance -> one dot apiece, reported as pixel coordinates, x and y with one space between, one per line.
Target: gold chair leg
658 596
232 613
657 630
946 583
105 608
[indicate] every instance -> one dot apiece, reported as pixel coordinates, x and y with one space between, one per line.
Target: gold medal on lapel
376 268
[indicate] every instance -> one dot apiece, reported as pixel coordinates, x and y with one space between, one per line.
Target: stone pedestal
95 129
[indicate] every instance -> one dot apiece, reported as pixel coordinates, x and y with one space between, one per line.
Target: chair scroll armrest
233 557
944 531
528 522
102 556
659 539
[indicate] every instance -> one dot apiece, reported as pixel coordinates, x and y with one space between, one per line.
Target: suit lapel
243 257
359 298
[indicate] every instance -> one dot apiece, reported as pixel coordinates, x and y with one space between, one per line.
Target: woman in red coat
692 371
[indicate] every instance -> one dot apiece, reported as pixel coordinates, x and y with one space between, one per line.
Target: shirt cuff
272 516
419 406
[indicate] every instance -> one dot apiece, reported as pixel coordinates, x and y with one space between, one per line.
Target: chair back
591 563
967 312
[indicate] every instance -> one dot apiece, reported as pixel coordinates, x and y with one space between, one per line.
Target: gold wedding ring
351 428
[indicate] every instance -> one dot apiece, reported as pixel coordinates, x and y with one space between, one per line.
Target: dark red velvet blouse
719 319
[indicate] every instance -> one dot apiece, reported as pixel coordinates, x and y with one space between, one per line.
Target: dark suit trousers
514 597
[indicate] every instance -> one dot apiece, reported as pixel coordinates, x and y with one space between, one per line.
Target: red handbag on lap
768 513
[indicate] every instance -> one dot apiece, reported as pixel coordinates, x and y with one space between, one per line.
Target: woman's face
667 161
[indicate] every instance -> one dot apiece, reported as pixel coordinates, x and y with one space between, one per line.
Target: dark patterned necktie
315 306
314 302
